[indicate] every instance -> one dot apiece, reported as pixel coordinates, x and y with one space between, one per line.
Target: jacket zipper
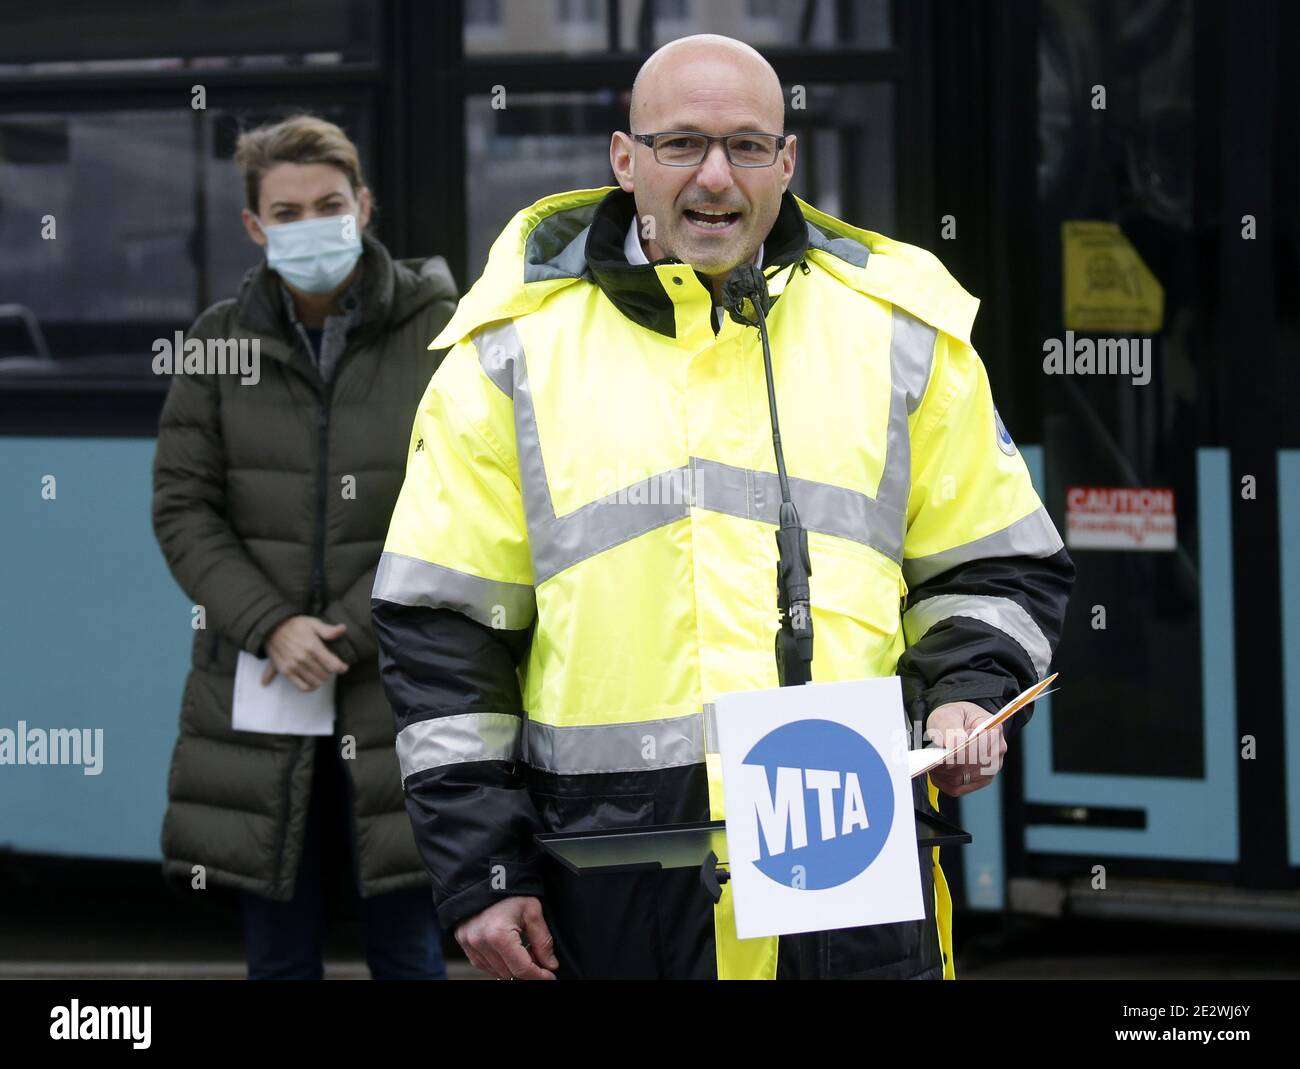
349 806
318 591
320 597
317 594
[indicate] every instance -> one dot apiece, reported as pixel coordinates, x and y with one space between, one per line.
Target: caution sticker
1107 289
1120 517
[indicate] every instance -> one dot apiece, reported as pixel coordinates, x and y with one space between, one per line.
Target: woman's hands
297 651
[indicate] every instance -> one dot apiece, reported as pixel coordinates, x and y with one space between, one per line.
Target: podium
701 845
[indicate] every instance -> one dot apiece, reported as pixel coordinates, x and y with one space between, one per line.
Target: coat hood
565 239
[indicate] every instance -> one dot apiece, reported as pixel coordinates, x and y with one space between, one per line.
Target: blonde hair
300 138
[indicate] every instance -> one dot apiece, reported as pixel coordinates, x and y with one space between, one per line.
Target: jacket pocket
856 596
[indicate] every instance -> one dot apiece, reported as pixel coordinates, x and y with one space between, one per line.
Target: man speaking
582 555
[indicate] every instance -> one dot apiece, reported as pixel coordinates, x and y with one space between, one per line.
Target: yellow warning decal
1107 289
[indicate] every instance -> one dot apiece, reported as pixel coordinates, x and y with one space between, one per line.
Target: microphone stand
794 640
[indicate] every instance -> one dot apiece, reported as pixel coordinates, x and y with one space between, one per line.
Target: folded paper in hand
921 761
279 708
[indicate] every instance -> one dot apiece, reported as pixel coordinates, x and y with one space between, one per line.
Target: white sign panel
821 832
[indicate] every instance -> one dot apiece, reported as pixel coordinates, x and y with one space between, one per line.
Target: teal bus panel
96 637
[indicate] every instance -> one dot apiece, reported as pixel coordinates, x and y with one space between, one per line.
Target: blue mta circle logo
824 803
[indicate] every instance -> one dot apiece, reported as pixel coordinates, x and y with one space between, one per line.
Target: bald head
704 68
713 214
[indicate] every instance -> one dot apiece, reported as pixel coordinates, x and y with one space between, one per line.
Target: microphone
746 284
745 297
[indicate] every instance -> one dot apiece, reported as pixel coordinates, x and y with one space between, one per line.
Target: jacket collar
349 302
387 293
260 302
637 290
544 250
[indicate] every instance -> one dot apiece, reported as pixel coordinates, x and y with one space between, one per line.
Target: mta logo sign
824 803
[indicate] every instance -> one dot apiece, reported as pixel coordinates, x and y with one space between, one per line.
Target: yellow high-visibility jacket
582 558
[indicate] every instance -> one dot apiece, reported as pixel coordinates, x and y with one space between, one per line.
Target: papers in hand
921 761
279 708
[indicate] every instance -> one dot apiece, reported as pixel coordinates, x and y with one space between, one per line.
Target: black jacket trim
961 659
473 822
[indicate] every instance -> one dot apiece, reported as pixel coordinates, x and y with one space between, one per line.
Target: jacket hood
391 291
577 237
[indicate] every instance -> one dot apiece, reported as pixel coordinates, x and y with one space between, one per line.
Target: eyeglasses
685 148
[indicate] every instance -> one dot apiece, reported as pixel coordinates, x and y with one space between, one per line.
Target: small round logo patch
1004 439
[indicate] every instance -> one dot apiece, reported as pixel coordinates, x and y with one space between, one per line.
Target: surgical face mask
314 255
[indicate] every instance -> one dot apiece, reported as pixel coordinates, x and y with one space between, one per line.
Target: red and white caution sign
1120 517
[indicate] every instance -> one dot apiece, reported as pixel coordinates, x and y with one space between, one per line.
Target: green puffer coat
253 511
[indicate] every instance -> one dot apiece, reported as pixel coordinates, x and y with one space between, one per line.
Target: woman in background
271 503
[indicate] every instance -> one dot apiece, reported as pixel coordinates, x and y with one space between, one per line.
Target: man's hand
297 651
973 766
510 940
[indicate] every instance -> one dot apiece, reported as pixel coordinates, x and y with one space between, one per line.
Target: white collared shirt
636 255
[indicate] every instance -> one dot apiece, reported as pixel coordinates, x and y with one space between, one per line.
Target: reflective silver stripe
911 355
640 747
828 509
1033 536
1003 613
710 727
496 358
452 740
405 580
569 751
559 542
